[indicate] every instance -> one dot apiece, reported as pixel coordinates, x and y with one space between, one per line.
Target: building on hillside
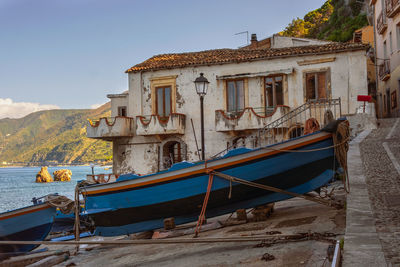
387 40
157 122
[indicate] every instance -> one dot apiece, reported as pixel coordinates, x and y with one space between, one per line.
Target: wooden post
169 223
77 223
241 215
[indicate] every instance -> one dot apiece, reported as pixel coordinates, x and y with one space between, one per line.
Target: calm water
18 187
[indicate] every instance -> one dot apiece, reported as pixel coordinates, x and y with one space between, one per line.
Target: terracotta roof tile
225 56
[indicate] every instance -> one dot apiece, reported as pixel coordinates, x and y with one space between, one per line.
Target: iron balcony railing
384 70
381 22
392 7
292 124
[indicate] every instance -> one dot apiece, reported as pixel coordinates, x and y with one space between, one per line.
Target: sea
18 186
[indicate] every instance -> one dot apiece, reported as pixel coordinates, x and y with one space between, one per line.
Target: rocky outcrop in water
43 176
63 175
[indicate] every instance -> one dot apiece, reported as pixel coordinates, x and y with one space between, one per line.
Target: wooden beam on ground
167 241
50 261
19 261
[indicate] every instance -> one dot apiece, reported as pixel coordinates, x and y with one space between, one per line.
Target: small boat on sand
138 203
32 223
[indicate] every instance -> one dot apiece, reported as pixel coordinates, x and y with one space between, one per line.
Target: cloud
94 106
14 110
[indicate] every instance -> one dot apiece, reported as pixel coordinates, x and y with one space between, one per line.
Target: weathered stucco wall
116 102
393 55
285 41
143 154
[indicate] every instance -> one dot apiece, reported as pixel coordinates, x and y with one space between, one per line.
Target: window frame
164 81
274 96
398 36
163 114
120 111
236 92
391 42
328 90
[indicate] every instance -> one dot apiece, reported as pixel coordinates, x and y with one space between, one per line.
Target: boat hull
32 223
134 208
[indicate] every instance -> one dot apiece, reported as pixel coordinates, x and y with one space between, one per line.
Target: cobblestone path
380 153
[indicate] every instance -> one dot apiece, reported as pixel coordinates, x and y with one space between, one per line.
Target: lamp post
201 84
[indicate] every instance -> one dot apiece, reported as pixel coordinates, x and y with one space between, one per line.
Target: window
398 36
235 95
163 96
393 99
384 50
273 91
316 85
122 111
384 103
391 42
163 99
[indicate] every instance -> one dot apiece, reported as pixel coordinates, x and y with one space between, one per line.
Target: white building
386 15
152 122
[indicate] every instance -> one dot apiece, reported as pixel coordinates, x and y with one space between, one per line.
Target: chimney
254 42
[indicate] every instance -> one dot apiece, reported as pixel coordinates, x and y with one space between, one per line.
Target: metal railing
292 124
384 69
381 22
392 7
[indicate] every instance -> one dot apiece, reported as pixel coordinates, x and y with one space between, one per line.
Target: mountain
335 20
53 136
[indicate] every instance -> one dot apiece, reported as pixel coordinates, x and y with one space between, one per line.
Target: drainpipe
376 64
141 93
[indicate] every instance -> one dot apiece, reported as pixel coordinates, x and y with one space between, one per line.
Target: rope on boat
65 204
340 141
276 190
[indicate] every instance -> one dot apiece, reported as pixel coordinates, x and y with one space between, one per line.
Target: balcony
384 70
392 7
381 23
156 125
248 119
110 128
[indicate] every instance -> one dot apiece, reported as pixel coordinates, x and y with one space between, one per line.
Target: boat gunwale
203 166
22 211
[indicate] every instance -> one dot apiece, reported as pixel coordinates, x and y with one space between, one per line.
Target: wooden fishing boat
138 203
32 223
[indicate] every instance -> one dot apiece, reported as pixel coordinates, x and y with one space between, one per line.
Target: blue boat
32 223
139 203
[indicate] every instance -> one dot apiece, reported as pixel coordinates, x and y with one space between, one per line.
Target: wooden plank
316 61
29 259
50 261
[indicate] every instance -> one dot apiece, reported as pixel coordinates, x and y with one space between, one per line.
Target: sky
72 53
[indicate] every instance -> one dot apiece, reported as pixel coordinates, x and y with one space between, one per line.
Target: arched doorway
172 151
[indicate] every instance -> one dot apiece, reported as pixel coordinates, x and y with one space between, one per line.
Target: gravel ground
383 183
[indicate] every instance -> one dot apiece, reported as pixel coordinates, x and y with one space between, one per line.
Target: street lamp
201 88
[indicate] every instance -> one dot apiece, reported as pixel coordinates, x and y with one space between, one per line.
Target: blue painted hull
142 203
32 223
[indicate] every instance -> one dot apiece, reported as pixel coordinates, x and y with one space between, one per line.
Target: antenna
247 32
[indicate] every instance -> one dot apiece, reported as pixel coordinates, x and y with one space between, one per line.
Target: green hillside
55 136
334 20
